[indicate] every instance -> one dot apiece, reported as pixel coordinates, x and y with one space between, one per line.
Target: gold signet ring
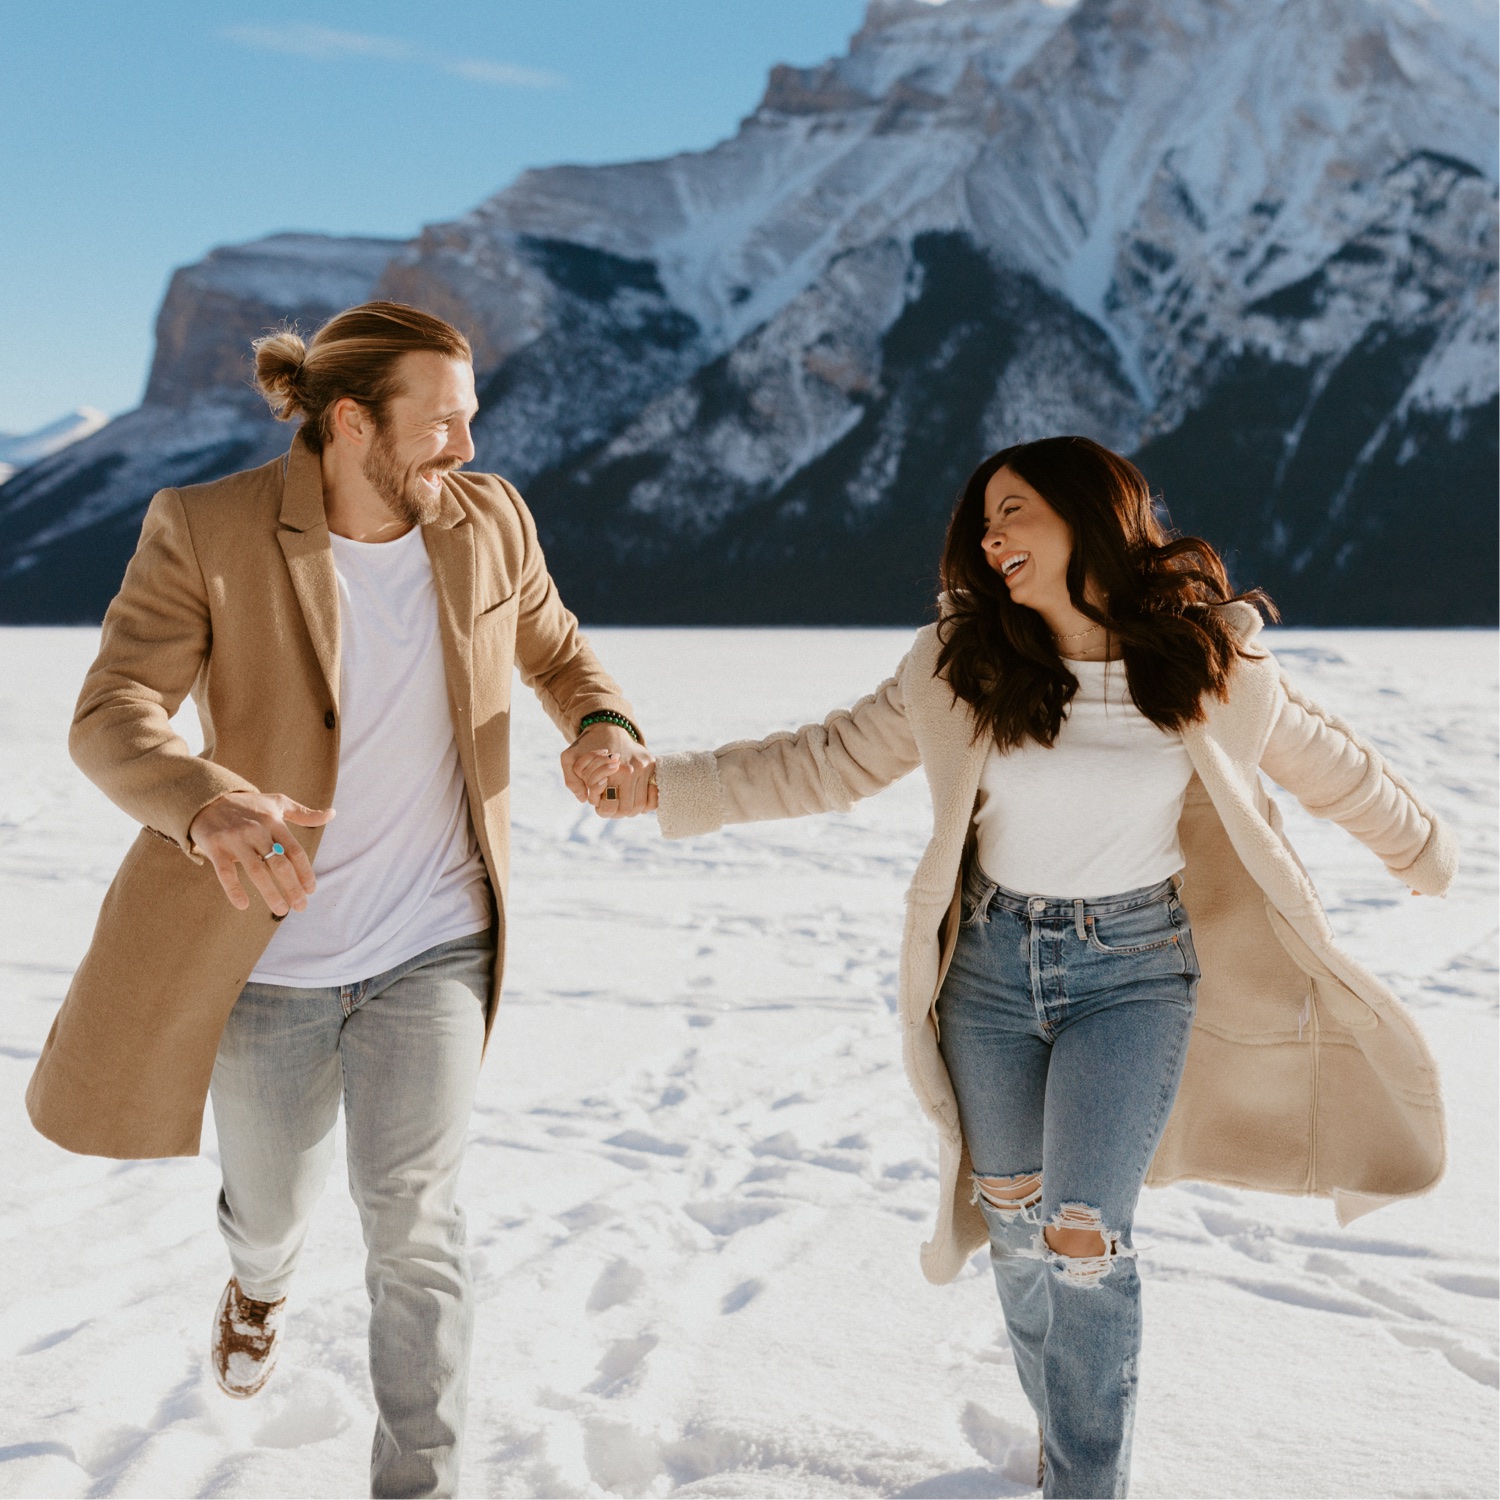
611 794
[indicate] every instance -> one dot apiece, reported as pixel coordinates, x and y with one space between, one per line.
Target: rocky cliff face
1251 242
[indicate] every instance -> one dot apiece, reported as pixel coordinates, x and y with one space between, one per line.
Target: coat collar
304 542
302 489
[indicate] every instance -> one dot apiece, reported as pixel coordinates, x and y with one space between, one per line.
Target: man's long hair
355 354
1158 593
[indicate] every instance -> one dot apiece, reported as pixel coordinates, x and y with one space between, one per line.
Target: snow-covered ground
698 1181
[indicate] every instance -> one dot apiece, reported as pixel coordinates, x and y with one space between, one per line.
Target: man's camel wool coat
231 595
1304 1074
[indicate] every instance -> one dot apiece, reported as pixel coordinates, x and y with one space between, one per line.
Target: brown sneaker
245 1340
1041 1456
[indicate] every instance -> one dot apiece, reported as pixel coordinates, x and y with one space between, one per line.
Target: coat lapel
450 549
953 759
304 542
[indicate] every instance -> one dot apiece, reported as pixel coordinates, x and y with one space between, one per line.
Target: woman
1092 710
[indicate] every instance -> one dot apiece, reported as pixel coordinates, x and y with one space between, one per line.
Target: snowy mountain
18 449
1252 242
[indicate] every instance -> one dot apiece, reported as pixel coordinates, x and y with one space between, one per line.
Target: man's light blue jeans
1064 1026
402 1052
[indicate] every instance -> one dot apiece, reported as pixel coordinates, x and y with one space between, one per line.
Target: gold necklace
1076 636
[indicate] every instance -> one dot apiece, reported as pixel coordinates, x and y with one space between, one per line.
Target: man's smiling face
423 433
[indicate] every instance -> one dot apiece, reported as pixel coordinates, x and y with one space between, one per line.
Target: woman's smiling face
1026 542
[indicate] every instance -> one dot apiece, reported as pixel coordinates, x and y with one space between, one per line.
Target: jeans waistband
1067 910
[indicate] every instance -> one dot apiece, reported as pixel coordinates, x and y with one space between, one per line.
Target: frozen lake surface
697 1179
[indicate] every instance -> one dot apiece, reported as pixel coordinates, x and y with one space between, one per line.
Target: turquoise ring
275 850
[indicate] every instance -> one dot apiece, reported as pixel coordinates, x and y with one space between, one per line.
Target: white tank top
399 869
1094 814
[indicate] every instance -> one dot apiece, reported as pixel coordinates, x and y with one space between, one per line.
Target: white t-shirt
1094 814
399 869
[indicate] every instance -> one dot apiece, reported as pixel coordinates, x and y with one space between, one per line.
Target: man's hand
634 787
241 828
603 757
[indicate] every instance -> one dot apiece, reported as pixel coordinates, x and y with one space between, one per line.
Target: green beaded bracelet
609 716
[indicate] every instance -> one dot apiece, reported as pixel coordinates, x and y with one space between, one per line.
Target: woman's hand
633 784
606 740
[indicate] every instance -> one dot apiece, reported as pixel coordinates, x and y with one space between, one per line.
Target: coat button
328 720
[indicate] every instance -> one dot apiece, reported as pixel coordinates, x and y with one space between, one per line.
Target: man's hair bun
355 354
279 358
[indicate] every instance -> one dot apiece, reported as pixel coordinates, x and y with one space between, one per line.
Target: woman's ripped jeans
1064 1026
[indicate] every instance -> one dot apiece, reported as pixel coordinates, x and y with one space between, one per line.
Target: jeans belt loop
1078 926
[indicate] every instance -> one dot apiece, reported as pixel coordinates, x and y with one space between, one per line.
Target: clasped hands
605 759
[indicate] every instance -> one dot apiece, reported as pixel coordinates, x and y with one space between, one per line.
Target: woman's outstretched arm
1335 774
825 767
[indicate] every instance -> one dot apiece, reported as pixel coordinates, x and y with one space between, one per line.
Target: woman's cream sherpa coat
1305 1074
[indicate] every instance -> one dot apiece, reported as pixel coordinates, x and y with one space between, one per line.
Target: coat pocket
494 614
493 655
1342 1004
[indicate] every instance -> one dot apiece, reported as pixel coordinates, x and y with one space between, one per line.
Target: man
347 619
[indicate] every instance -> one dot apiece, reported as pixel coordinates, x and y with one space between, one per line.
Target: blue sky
137 134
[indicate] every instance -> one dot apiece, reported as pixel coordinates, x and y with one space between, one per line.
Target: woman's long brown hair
1159 590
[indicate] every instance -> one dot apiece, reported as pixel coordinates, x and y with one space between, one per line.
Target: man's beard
400 487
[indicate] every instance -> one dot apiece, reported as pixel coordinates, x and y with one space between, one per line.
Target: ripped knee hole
1010 1194
1076 1243
1082 1250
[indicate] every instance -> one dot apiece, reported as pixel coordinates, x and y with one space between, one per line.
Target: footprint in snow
784 1145
618 1282
1303 1296
845 1156
745 1293
587 1215
1336 1270
620 1460
907 1171
1008 1446
767 1171
50 1340
620 1365
309 1409
724 1219
1480 1368
1394 1301
1468 1286
640 1140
